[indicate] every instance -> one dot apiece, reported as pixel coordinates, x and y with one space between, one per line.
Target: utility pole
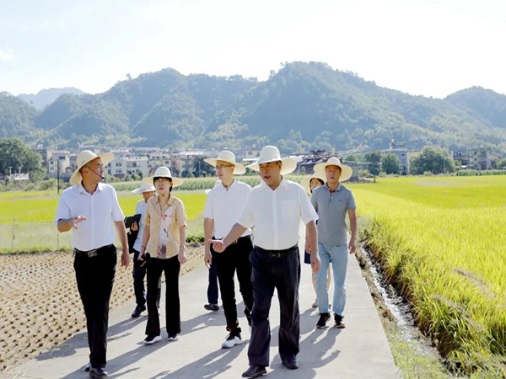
58 175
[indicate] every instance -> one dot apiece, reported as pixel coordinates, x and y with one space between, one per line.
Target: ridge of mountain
303 106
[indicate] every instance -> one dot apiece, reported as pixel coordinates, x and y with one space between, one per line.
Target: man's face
271 173
148 195
333 173
93 170
224 170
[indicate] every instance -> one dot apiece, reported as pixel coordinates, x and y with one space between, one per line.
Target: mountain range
301 107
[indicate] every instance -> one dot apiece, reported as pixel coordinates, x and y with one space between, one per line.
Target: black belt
90 253
277 253
248 237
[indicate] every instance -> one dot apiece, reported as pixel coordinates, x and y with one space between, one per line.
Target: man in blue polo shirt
332 202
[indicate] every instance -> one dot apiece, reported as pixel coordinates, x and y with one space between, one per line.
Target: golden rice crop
442 242
26 220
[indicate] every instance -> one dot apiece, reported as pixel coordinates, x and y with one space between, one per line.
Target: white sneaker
172 338
152 339
231 341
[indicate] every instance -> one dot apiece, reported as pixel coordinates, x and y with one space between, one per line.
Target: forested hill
302 106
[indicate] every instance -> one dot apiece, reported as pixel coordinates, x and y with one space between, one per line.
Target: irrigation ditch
397 316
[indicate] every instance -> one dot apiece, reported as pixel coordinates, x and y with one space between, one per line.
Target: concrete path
359 351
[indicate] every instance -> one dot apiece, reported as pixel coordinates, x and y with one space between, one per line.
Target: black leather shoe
254 371
98 373
212 307
290 364
138 310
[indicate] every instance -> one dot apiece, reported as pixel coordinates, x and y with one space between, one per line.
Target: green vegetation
441 243
16 157
26 220
302 107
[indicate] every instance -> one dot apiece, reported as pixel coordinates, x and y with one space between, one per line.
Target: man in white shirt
275 208
90 209
139 270
224 204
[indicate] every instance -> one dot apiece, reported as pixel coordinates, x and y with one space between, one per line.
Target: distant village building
402 154
479 159
126 166
59 164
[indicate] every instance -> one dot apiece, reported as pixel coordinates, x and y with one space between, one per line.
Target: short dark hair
163 177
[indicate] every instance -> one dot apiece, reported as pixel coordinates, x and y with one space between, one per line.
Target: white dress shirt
276 214
224 207
100 210
140 208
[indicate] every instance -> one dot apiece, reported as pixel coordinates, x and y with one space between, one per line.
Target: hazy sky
422 47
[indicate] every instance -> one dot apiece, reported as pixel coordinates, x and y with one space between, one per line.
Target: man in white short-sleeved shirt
223 205
90 209
275 209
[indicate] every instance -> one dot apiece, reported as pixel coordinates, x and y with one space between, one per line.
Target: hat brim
176 182
239 169
346 171
76 177
288 165
139 191
306 181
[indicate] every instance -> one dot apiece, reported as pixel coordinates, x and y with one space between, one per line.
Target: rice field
441 241
26 220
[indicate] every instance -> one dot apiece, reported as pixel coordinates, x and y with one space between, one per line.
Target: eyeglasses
220 166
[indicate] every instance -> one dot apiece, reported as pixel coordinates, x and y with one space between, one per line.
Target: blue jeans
338 257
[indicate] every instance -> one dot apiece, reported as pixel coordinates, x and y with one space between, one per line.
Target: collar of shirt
169 203
80 188
339 188
282 184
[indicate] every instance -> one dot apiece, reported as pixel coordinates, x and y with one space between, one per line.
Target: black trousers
234 259
171 268
280 270
95 277
139 274
212 286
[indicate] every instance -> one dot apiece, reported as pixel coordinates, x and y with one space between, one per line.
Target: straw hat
145 187
163 172
85 157
271 154
346 171
306 181
227 156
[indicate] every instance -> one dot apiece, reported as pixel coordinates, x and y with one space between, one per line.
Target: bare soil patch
40 306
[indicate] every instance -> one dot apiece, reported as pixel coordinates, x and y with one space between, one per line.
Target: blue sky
422 47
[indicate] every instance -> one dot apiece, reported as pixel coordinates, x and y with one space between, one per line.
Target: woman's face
314 184
163 185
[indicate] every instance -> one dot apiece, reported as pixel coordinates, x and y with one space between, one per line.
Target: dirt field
40 306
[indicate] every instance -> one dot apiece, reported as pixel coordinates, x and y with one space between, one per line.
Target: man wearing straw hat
139 270
332 202
224 204
90 209
275 208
